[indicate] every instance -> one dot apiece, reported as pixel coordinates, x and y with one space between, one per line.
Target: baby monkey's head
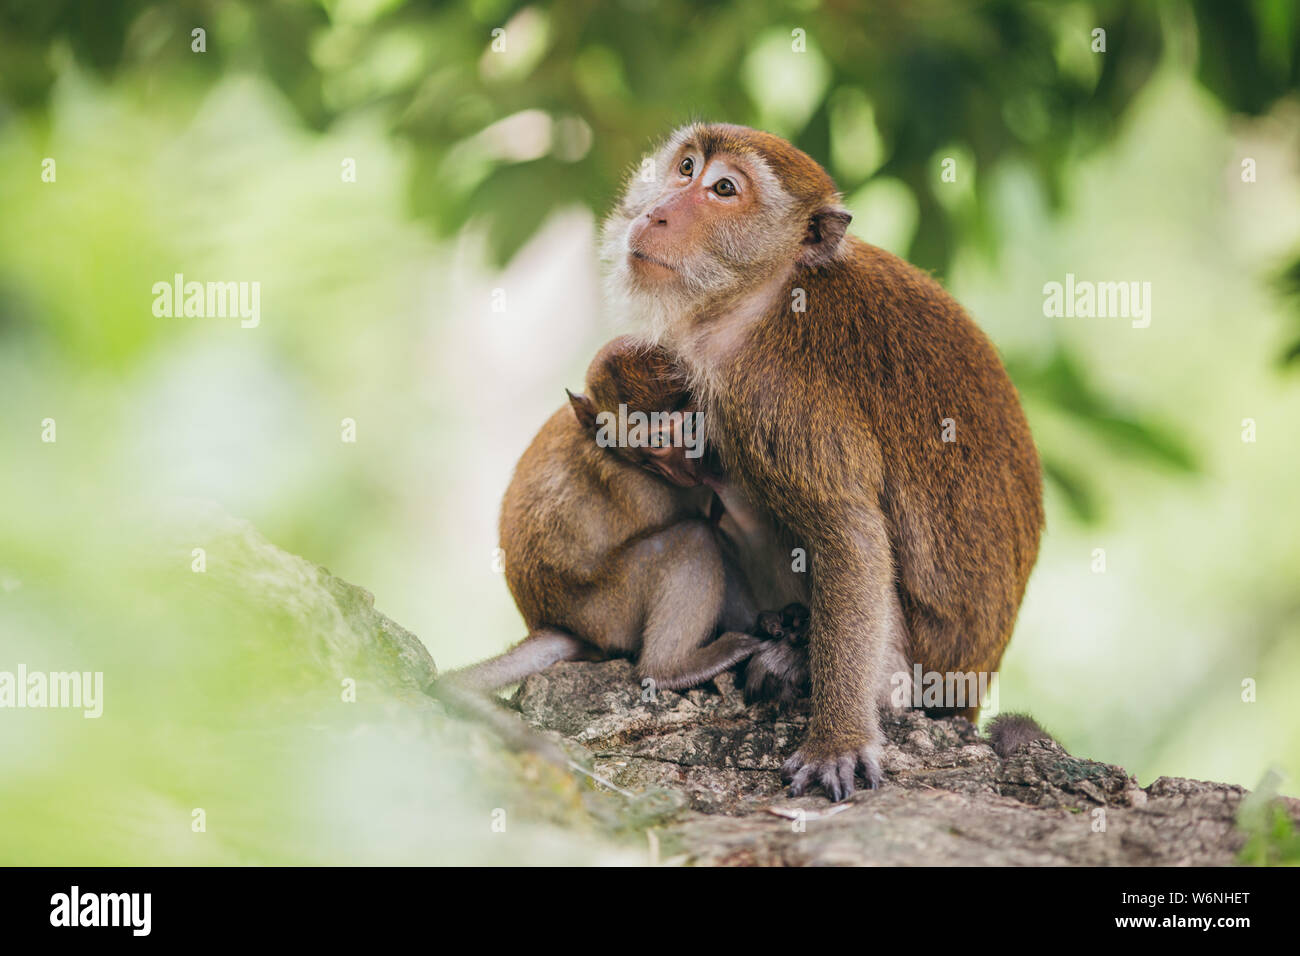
638 407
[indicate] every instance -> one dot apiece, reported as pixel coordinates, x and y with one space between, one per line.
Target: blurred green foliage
1271 837
226 165
575 92
881 89
248 718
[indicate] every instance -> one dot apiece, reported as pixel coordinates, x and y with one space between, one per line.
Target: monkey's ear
825 231
583 408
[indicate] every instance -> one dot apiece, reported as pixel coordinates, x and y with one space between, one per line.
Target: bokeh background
444 298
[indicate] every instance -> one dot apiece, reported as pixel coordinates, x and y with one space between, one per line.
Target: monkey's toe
835 772
870 765
799 776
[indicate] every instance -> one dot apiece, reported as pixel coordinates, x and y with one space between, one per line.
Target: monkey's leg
850 638
538 651
699 664
738 607
687 593
895 691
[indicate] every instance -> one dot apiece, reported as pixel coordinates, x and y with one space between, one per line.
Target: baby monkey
607 548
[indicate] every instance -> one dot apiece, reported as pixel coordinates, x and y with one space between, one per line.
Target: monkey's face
700 214
656 441
660 435
697 219
718 208
669 463
638 408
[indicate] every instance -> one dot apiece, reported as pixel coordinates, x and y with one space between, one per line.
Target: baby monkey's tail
538 651
1009 732
469 690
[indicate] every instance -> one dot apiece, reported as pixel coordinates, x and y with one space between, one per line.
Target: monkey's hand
833 763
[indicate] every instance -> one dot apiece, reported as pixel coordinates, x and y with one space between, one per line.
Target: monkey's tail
468 690
1009 732
538 651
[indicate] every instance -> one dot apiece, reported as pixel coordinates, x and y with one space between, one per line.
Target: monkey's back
889 347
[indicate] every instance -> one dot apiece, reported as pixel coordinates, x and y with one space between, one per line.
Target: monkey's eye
724 187
687 167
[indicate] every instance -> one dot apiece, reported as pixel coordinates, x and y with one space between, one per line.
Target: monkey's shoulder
887 294
873 319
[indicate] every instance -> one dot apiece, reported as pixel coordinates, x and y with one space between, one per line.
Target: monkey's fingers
837 777
835 773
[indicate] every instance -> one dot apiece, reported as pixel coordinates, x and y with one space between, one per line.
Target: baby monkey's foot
778 670
833 764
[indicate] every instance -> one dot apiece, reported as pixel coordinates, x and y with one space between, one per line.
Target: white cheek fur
666 312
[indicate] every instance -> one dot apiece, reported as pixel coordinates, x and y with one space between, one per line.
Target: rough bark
700 781
948 799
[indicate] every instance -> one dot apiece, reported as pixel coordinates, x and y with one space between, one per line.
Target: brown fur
601 556
830 422
1009 732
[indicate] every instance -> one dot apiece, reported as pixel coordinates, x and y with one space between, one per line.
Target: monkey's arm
849 640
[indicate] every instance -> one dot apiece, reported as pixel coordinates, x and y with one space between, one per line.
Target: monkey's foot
778 671
779 668
833 765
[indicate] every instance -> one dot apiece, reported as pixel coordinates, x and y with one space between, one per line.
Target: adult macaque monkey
878 426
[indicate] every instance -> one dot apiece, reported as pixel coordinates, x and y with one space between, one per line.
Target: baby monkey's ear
584 409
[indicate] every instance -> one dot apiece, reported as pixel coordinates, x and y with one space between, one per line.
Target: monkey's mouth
637 256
